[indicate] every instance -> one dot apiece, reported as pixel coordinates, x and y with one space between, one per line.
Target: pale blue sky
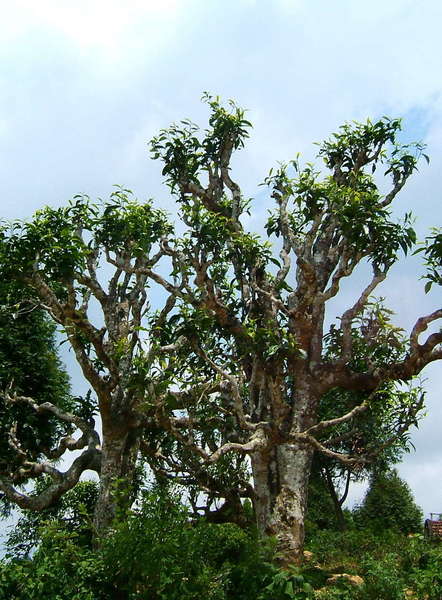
85 84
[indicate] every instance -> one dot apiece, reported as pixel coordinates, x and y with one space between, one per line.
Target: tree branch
322 425
89 459
351 313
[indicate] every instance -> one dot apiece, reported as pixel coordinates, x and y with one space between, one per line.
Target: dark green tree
389 504
30 364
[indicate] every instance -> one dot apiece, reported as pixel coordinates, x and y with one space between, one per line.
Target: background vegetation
160 551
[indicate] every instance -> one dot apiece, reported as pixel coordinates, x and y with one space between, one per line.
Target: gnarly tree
268 316
63 255
236 359
91 268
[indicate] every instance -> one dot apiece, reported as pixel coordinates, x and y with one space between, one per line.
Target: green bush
157 552
383 578
73 511
422 562
344 551
388 562
286 584
61 569
177 559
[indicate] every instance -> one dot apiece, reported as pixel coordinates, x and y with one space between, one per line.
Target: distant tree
389 504
376 428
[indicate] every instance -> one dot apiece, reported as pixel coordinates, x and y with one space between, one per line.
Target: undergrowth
158 553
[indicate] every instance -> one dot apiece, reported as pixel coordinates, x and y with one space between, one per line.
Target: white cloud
110 28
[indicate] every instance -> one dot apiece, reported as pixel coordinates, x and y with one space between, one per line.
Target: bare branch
343 498
277 302
319 427
351 313
93 285
394 192
90 437
408 421
421 325
257 442
346 459
234 388
344 269
89 459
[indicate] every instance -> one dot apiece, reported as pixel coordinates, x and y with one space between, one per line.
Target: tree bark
281 486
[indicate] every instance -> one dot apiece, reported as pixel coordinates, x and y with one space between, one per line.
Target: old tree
209 351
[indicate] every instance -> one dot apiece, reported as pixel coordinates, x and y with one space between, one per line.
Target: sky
84 85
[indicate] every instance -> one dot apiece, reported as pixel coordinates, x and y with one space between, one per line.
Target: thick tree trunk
117 481
281 485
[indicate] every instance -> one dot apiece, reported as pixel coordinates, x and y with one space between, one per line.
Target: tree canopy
211 346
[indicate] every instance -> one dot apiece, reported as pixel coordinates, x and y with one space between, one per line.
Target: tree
29 360
57 255
389 504
235 360
269 316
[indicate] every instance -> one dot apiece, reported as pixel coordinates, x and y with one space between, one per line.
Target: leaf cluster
59 241
185 154
432 250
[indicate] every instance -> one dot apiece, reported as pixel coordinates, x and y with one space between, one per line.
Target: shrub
72 512
383 578
178 559
61 569
286 584
422 562
155 552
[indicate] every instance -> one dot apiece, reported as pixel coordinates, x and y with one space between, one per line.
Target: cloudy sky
84 84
